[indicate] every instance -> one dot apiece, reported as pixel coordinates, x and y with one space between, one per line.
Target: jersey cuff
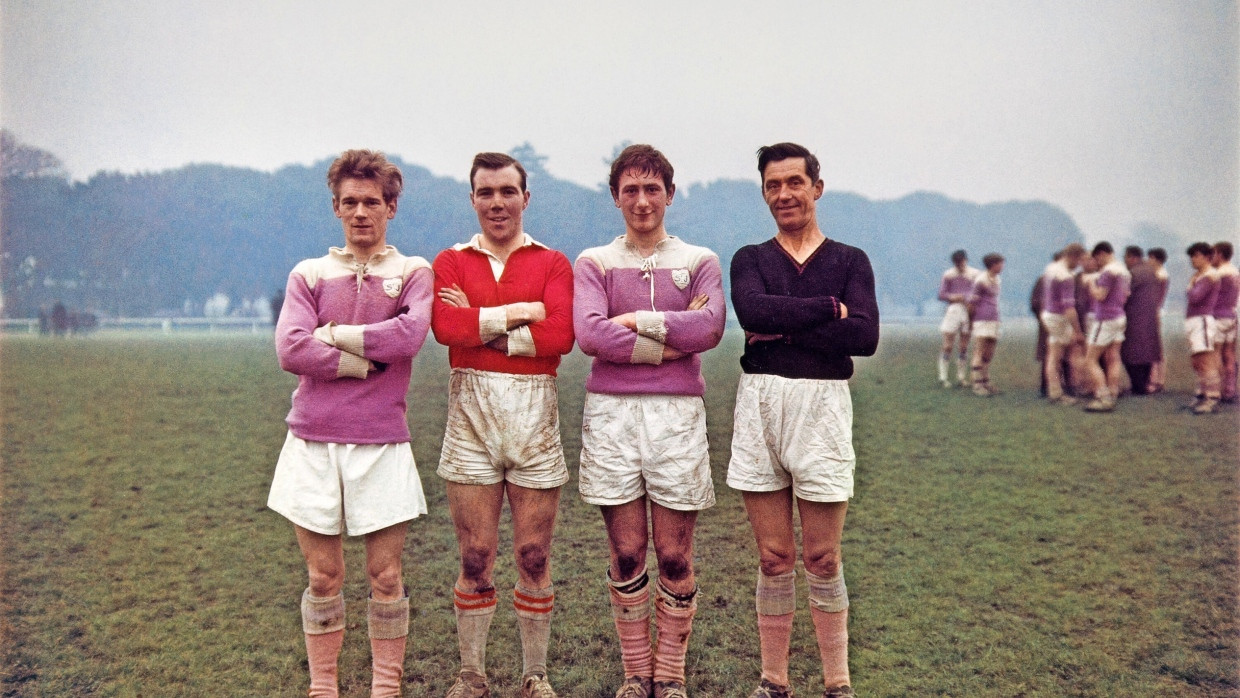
651 324
349 338
492 323
521 341
352 366
647 351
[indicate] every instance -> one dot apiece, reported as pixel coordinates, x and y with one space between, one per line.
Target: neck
503 248
363 254
646 243
800 238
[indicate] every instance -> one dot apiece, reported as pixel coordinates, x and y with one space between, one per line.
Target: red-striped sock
630 608
473 623
533 607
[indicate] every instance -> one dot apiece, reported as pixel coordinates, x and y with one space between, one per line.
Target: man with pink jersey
1202 296
983 303
1225 317
645 306
1157 257
351 324
1108 291
954 290
1063 327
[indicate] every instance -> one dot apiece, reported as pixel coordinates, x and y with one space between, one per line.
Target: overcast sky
1122 112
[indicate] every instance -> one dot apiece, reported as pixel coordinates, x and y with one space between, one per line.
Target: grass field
995 547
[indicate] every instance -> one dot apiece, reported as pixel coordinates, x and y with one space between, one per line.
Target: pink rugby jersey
1058 288
613 280
1202 294
1228 291
1117 281
354 391
957 283
984 297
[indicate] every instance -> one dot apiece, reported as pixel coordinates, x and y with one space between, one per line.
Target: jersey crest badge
680 277
392 287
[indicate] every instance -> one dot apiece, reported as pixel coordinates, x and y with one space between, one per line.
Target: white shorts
1200 331
356 488
502 426
1224 330
956 319
1104 333
986 329
645 444
1059 328
793 432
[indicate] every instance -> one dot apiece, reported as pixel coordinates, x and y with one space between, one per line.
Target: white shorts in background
793 432
332 488
1059 328
502 426
653 445
1103 333
986 329
956 319
1200 331
1224 330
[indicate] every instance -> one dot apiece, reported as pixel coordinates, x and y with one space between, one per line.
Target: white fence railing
155 324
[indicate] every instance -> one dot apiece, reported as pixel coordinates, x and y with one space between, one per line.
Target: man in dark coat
1141 347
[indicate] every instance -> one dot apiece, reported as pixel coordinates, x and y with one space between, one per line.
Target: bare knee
776 562
326 579
476 566
824 563
385 579
675 567
532 560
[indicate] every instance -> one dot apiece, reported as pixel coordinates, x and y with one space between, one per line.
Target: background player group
1099 318
644 306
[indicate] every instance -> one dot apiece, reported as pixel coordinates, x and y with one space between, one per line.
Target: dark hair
784 151
992 259
494 161
1133 251
1224 250
1103 246
1158 253
643 159
1074 249
959 256
366 164
1199 248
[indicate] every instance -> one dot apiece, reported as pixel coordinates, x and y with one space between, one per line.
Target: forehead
496 179
357 188
640 178
785 169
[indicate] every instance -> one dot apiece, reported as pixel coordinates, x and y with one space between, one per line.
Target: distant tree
20 160
530 160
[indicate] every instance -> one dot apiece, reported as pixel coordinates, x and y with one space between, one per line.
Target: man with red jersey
504 309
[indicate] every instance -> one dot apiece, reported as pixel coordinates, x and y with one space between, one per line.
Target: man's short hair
643 159
1103 246
1133 251
1074 249
495 161
1158 253
1199 248
1224 250
992 259
784 151
366 164
959 256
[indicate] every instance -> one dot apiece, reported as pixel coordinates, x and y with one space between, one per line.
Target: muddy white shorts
793 432
1224 330
1058 328
1103 333
1200 332
645 444
332 488
986 329
956 319
502 427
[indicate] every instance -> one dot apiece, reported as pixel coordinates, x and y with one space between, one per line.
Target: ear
336 206
391 209
526 203
819 187
671 191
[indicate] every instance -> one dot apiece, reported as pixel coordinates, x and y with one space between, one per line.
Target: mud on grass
995 546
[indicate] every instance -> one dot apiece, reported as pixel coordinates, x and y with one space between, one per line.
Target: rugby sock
673 619
776 602
388 624
828 606
322 621
473 624
533 607
962 366
630 608
943 368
